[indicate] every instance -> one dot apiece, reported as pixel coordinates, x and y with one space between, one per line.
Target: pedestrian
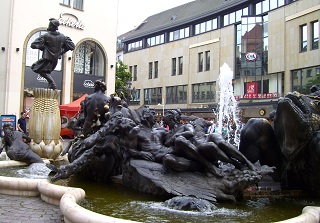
22 123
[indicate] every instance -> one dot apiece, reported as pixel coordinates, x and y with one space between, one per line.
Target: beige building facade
271 50
91 26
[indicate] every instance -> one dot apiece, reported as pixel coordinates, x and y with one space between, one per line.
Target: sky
131 13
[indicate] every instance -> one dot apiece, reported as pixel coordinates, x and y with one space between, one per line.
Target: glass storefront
304 79
252 61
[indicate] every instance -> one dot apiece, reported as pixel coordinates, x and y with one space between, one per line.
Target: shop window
153 96
135 97
303 79
89 60
176 94
203 92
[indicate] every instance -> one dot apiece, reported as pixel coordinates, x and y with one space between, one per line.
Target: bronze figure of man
53 44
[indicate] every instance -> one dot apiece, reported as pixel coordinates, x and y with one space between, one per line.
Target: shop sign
70 20
251 56
4 119
41 79
88 84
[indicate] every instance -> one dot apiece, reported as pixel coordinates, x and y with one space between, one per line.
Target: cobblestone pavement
20 209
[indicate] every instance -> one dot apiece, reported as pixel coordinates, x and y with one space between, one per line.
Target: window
174 66
200 62
234 17
89 59
152 96
135 46
206 26
179 34
135 97
135 71
65 2
309 73
156 69
180 61
252 40
267 5
303 79
303 38
78 4
203 92
315 35
207 60
176 94
150 70
155 40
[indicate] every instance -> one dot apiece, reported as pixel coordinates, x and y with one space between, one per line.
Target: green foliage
122 76
306 88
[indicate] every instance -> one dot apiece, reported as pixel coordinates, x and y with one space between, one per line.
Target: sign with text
7 119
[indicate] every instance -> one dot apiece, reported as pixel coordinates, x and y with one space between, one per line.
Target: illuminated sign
70 20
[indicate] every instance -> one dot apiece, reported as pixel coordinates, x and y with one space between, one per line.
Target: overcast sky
133 12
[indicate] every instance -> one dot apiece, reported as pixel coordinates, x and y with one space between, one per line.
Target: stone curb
64 197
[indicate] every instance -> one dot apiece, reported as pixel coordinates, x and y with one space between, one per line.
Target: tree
306 88
122 77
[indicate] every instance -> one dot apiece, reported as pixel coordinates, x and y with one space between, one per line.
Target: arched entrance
89 66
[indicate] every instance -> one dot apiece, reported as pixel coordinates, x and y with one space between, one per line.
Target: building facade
91 26
271 46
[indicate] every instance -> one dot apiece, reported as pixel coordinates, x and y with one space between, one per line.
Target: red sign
252 87
267 95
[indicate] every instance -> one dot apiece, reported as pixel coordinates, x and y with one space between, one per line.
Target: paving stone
16 209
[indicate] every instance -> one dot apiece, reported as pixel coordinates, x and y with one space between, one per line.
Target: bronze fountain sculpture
155 160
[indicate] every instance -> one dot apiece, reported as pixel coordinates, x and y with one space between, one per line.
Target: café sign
70 20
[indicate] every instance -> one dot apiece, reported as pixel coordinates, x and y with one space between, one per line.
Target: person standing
22 123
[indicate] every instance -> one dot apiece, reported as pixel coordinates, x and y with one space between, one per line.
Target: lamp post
162 109
129 89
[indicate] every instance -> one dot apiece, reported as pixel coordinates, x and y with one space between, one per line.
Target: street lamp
129 89
162 109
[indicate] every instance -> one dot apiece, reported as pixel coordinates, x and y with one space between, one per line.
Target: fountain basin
67 198
64 197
